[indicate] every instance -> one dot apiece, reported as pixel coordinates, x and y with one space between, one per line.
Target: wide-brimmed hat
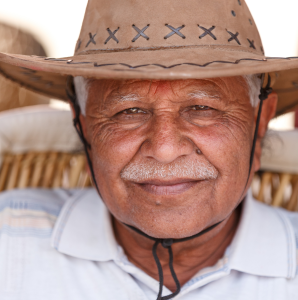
160 39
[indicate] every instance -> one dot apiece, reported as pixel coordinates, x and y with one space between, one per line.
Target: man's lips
167 187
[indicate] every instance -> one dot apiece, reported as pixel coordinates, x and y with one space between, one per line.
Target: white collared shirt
59 245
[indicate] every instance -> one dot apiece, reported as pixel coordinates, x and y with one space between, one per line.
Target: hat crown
132 25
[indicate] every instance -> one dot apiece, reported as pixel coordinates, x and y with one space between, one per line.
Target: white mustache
182 168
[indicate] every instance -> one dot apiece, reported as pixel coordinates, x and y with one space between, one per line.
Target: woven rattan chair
277 182
14 40
40 148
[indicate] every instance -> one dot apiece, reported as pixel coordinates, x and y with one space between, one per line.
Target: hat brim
48 75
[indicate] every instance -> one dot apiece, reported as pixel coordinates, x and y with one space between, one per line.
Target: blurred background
52 28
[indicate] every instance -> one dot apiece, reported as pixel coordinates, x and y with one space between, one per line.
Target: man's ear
268 112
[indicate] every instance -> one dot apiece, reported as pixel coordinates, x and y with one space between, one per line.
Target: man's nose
166 140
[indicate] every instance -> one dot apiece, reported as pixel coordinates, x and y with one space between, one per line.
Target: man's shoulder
289 220
31 212
27 259
292 218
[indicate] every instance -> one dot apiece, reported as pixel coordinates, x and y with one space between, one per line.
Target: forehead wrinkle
173 89
216 88
202 88
207 88
227 84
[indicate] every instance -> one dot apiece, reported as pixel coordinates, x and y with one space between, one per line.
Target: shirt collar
84 228
264 243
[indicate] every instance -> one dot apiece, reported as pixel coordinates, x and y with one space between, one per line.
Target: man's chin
172 210
174 230
172 222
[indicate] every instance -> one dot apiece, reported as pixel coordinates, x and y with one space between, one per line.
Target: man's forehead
119 89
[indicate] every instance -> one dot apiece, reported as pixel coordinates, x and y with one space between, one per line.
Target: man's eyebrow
124 98
204 94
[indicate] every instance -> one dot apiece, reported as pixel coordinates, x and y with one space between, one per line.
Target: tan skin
169 125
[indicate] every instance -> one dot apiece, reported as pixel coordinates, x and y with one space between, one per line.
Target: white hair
254 83
82 86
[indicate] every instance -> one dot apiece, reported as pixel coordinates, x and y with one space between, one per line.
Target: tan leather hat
160 39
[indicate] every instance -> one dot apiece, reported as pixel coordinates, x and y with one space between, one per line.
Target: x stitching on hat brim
48 75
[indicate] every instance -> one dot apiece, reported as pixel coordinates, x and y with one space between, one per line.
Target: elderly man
172 125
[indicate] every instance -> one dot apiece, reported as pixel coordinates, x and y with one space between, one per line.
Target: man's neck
189 256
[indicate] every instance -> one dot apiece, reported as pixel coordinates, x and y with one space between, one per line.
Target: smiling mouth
169 187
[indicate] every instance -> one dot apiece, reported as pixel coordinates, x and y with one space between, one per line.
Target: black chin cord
70 91
166 243
265 92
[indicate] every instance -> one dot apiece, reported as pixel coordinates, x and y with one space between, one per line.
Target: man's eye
200 107
133 110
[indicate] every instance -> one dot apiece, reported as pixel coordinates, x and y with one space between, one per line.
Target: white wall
56 23
278 26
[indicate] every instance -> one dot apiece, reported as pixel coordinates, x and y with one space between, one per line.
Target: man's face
170 157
